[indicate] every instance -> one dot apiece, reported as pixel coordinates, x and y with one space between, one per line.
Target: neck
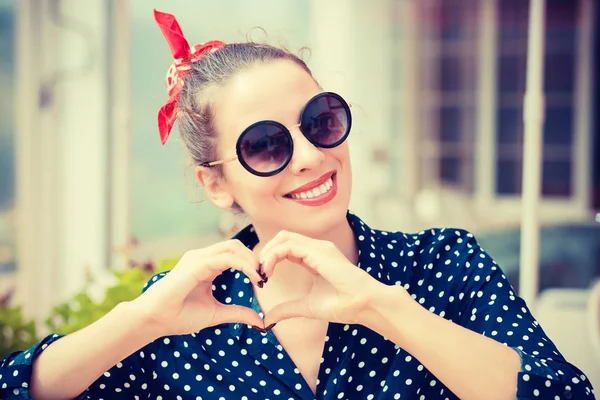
292 279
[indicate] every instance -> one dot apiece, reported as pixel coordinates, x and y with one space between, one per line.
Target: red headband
184 56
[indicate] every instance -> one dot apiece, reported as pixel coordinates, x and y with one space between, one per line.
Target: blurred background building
437 140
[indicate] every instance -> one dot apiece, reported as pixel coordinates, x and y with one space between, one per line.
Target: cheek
341 153
251 189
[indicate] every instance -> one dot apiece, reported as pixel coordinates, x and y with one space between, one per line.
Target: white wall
352 47
62 147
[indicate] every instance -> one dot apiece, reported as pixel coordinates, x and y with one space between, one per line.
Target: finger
321 258
238 262
281 237
289 309
241 249
238 248
275 240
194 271
292 251
233 246
225 246
236 314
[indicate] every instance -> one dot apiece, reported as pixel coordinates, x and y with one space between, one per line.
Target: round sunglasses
265 148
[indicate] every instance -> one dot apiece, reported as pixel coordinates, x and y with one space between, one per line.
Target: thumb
237 314
287 310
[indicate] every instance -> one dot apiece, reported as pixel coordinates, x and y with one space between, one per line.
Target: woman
307 302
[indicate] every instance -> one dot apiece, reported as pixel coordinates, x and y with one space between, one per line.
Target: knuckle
190 254
236 245
228 259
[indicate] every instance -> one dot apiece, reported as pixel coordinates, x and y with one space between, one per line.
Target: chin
317 221
320 229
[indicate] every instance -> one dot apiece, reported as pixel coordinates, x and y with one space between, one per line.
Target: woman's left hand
340 292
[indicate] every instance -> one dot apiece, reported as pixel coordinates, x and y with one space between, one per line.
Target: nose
306 155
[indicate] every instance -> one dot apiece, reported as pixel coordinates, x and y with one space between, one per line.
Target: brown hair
195 112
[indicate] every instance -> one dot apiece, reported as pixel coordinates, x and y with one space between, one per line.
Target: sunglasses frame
287 132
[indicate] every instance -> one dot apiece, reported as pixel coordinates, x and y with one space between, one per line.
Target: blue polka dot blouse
445 270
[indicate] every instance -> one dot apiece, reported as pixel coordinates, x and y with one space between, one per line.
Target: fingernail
260 284
258 328
268 328
260 269
263 275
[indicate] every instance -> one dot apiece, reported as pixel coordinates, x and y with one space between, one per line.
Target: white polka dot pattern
445 270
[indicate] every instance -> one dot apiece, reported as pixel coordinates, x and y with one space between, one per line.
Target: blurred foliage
19 333
16 332
81 311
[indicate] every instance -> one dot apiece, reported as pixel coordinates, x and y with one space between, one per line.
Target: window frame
492 209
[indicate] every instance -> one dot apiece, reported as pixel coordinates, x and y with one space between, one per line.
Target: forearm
471 365
71 364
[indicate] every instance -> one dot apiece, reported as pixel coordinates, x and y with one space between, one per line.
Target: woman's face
278 91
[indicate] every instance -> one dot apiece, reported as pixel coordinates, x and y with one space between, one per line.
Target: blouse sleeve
125 380
486 303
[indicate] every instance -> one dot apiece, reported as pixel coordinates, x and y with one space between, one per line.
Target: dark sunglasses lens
326 120
265 147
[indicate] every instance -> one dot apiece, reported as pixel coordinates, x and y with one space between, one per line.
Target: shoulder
431 243
451 250
452 259
447 271
446 256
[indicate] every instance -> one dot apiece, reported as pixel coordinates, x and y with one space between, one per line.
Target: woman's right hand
182 301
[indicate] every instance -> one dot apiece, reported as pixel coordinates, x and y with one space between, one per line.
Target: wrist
387 302
142 319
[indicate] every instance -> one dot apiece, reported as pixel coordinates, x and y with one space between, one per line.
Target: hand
182 302
340 292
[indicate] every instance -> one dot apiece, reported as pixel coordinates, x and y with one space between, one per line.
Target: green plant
81 311
16 333
19 333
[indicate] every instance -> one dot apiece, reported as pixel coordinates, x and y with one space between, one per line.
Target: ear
215 187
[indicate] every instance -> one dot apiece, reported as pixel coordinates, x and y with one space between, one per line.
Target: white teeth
318 191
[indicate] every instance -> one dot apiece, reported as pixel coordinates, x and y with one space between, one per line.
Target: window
7 149
471 69
450 58
559 85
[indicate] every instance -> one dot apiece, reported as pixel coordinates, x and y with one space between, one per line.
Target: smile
317 192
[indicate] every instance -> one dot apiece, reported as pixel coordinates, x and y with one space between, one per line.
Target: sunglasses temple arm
219 162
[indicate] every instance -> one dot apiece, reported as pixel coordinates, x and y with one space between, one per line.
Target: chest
303 340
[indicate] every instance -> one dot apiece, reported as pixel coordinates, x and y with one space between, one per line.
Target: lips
313 195
323 182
